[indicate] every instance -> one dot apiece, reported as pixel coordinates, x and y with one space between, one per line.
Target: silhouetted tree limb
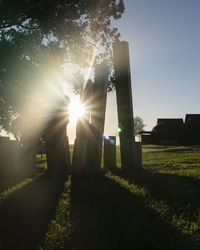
34 35
138 125
36 39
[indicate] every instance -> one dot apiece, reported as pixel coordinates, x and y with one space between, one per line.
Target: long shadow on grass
11 180
8 182
179 192
25 215
107 216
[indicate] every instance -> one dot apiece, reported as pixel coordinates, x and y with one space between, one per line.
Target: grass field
155 208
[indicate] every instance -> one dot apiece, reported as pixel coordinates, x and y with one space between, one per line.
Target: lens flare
76 110
106 137
119 129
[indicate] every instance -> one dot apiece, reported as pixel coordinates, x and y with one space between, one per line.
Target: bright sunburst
76 110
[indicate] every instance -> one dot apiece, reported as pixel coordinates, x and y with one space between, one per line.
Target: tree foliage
138 125
38 37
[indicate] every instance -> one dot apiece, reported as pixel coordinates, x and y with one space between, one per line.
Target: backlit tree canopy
37 37
138 125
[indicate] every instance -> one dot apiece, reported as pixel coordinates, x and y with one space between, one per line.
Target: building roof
192 117
171 121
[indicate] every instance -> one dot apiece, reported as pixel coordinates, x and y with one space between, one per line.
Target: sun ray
76 110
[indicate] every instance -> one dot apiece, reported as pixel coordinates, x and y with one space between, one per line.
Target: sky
164 43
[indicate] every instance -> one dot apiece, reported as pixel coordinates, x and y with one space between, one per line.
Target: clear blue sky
164 41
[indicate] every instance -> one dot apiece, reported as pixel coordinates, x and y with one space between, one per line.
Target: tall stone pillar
98 115
29 140
56 142
124 103
87 99
88 145
80 161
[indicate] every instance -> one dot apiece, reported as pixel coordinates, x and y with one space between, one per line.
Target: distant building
174 131
192 128
168 131
146 137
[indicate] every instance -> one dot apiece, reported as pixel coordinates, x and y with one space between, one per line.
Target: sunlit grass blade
5 194
60 227
181 222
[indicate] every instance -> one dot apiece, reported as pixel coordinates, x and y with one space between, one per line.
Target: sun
76 110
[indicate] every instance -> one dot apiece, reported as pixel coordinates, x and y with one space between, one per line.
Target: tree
138 125
37 38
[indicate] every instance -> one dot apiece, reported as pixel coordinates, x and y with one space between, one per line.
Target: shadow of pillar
26 214
107 216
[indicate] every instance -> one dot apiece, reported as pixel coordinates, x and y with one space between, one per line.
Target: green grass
156 148
172 181
168 186
183 163
155 208
60 227
181 222
41 163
